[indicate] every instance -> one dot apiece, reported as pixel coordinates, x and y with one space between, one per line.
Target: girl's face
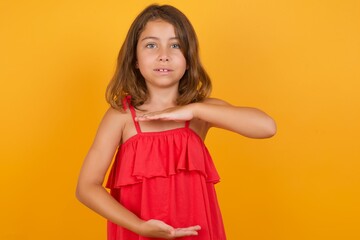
159 57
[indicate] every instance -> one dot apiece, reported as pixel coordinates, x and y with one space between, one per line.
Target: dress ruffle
146 155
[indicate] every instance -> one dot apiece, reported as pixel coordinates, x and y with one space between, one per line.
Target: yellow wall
297 60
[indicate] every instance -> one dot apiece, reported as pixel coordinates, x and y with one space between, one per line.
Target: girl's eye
150 45
175 45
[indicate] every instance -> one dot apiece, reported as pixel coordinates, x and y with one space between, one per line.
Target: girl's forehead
156 28
156 24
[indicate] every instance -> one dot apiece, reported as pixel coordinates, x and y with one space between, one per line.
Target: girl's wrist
137 226
195 109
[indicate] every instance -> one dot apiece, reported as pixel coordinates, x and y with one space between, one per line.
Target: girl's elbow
85 190
270 129
265 129
80 192
266 126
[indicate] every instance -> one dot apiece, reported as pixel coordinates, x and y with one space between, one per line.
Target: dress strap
187 123
127 100
125 103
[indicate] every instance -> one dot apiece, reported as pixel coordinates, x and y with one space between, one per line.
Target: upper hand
179 113
158 229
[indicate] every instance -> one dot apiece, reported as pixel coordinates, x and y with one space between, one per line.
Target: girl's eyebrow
156 38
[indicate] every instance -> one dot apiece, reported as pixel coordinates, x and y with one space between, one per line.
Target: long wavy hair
194 86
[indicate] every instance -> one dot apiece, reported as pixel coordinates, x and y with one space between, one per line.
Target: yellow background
297 60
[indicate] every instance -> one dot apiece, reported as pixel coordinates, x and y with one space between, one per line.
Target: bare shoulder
113 123
115 117
215 101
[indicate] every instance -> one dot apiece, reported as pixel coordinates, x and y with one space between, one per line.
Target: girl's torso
164 171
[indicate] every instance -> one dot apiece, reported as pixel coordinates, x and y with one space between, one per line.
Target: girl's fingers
170 114
189 231
196 228
159 229
148 117
192 228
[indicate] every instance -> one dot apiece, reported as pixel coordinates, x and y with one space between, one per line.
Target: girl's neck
160 100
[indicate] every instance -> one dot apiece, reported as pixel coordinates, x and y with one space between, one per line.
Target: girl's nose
164 59
163 55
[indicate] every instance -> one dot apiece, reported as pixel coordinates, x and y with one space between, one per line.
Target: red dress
167 176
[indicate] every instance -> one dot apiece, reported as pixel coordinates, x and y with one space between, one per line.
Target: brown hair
194 86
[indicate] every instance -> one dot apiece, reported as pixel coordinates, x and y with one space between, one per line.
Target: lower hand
158 229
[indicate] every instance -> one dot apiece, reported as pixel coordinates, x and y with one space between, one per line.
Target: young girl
162 181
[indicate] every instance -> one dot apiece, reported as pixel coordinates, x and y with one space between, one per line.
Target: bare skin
249 122
91 192
162 65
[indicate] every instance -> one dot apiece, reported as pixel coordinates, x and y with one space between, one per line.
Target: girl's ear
137 65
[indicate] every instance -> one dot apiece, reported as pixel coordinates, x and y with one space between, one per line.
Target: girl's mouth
162 70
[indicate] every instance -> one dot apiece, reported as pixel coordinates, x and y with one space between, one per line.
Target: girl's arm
90 191
249 122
